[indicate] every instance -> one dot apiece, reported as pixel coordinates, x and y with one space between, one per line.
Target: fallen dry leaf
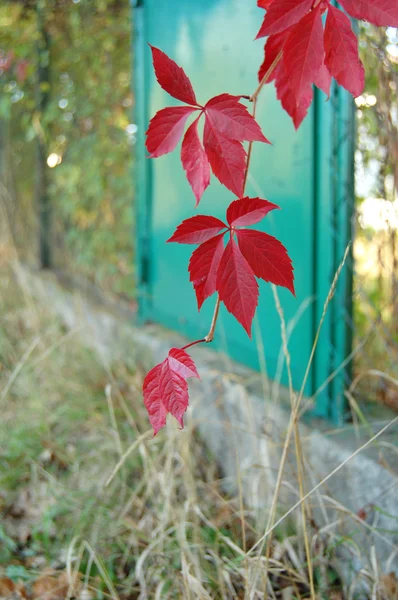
389 584
52 585
10 590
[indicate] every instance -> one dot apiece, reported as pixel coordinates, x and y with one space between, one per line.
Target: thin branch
210 336
264 80
193 344
253 98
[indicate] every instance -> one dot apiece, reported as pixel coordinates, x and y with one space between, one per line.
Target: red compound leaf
295 34
197 229
233 120
231 272
342 58
165 129
283 14
383 13
166 390
172 78
267 257
195 162
248 211
228 123
237 286
203 267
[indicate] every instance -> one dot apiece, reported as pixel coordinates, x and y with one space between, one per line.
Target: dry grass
164 526
93 507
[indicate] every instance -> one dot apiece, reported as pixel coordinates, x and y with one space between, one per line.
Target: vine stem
193 344
210 336
264 80
253 98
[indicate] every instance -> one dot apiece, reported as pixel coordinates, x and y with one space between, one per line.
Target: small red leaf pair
232 271
166 390
227 124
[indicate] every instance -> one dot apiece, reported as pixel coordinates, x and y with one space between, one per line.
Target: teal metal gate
308 173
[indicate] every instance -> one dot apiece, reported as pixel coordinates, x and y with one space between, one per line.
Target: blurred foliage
87 130
376 247
378 107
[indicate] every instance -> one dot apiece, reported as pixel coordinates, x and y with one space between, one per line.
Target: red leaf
195 161
166 390
165 129
182 363
383 13
227 158
203 268
264 3
197 229
248 211
273 46
323 80
303 54
267 257
284 93
233 120
342 58
153 399
282 14
237 286
174 390
172 78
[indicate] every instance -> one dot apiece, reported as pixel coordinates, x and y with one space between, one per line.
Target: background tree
66 98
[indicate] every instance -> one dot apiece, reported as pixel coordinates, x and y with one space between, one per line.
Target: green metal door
305 172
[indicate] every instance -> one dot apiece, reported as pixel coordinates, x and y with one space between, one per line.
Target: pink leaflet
248 211
341 47
203 268
195 161
172 78
303 54
267 257
181 362
165 129
298 112
264 3
233 120
197 230
153 399
273 46
323 80
236 285
383 13
283 14
174 390
227 158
